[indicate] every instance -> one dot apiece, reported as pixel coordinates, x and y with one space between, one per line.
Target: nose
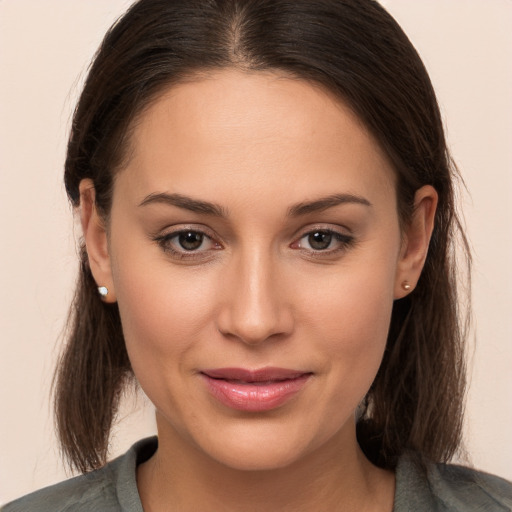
255 306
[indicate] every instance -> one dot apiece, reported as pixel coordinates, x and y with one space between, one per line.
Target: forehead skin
250 128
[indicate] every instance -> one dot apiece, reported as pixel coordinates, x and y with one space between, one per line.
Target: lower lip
254 397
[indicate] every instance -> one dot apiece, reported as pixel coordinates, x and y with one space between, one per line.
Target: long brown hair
354 49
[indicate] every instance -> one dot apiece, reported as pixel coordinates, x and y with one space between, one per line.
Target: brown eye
188 244
323 242
320 240
190 240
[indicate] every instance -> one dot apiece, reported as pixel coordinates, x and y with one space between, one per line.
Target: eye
319 240
189 240
187 243
323 241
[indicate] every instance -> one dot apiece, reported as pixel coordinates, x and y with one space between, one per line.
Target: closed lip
267 374
258 390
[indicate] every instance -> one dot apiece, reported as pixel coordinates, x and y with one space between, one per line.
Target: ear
416 239
95 237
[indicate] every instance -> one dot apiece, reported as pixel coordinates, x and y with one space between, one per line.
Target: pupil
190 241
320 240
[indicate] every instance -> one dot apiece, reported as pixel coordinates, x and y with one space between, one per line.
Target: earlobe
96 243
416 240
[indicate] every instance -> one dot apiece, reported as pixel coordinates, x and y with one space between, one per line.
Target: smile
254 391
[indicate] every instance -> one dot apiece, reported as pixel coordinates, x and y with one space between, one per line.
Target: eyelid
165 236
180 228
311 228
345 239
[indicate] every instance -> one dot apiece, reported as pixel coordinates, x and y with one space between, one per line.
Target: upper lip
259 375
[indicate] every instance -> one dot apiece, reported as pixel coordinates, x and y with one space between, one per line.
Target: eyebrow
325 203
185 202
208 208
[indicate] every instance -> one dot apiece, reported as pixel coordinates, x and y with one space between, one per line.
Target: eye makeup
195 243
188 243
323 242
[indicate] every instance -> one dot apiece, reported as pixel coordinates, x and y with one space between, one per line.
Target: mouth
254 390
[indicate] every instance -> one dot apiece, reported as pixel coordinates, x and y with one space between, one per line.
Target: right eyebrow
185 202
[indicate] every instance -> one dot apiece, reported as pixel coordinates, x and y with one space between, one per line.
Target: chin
267 446
257 458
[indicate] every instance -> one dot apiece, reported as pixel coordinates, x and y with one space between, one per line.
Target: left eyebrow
324 203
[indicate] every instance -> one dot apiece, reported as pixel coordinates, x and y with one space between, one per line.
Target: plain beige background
45 47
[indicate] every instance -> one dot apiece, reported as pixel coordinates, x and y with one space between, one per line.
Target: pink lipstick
254 390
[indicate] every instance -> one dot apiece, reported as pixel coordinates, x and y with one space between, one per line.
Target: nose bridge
255 308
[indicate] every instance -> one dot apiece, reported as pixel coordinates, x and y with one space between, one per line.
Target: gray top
113 488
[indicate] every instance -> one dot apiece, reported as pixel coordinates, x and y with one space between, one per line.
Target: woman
267 206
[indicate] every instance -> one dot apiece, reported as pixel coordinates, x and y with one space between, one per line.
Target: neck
335 477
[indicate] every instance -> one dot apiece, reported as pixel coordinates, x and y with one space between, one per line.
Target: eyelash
164 241
344 242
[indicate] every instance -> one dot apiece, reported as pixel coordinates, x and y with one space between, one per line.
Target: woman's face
255 254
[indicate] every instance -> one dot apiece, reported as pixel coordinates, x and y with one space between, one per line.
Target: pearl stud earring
406 286
103 291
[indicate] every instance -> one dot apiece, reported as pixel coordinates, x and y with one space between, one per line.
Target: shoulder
112 488
458 485
92 491
448 487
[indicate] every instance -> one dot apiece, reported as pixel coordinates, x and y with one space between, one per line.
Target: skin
256 293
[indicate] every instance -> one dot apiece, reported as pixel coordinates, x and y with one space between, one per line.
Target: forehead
251 131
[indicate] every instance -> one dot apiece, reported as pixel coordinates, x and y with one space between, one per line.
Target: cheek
353 327
349 318
163 310
164 317
355 298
